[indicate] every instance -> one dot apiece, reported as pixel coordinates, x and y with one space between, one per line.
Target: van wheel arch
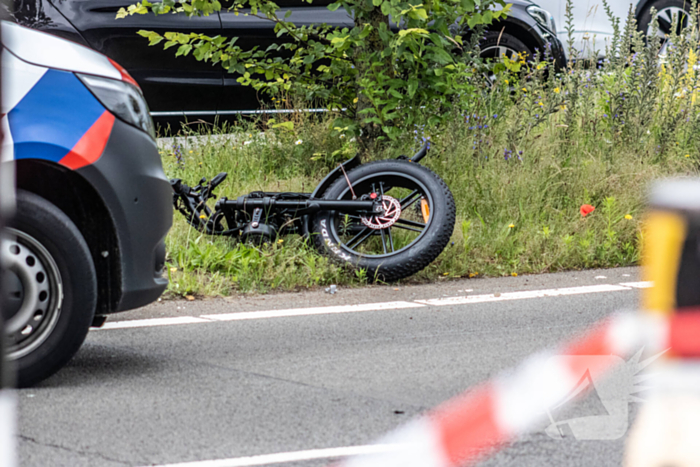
83 205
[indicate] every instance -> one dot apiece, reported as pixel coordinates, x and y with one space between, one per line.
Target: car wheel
495 45
50 289
665 12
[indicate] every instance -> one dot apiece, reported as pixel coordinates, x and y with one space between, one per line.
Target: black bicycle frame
266 213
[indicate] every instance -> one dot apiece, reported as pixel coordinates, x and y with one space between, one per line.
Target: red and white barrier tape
466 428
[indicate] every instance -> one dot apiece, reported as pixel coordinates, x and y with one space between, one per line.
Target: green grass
513 217
541 147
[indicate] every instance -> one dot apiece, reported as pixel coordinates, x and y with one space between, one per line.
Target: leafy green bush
383 78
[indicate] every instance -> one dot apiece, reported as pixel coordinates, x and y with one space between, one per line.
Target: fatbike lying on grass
390 217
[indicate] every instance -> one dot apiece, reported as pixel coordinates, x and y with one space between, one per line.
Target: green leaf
474 20
413 31
153 37
421 13
284 125
183 50
412 86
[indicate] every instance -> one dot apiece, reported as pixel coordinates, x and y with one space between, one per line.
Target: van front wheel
50 291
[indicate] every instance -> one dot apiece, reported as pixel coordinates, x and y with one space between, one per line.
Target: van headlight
543 17
123 99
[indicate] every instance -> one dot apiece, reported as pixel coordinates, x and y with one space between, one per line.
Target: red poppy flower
586 209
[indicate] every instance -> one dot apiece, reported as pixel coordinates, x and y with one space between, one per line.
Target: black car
185 87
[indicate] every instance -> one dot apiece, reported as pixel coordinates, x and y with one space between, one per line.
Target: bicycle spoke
353 245
410 223
383 240
409 200
391 240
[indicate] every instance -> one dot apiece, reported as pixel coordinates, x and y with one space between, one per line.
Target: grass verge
526 151
514 216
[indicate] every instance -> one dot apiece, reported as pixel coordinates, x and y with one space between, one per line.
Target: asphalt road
158 394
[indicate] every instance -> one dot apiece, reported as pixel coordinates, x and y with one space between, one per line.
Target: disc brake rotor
392 212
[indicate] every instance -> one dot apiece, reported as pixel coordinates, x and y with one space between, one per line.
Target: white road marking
466 300
638 285
295 456
322 310
140 323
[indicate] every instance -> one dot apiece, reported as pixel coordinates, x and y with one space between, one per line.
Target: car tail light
123 99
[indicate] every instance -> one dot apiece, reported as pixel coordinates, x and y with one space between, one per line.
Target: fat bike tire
408 241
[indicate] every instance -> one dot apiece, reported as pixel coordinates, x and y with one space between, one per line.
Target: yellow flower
280 241
687 155
628 216
506 81
445 273
556 90
562 107
473 274
191 152
514 274
202 216
511 226
173 269
524 90
540 104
